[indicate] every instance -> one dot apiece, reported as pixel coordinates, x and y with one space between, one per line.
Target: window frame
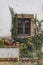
23 21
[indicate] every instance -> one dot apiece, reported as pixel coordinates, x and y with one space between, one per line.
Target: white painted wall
9 52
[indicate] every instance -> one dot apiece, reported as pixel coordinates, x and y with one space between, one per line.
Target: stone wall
9 54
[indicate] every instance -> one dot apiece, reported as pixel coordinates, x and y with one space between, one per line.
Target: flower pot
17 44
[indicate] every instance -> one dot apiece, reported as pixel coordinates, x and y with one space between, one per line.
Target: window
27 31
20 30
24 26
27 26
20 27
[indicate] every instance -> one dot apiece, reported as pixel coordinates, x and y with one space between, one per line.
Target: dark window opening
20 25
27 31
24 26
20 30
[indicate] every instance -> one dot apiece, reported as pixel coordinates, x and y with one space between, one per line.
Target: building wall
32 27
25 15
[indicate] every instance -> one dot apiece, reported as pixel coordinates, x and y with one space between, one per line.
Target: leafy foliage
37 25
2 42
14 24
33 45
22 40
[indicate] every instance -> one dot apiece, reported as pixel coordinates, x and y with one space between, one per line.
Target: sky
19 6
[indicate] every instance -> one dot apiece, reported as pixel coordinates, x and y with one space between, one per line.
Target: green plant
2 42
37 25
22 40
14 24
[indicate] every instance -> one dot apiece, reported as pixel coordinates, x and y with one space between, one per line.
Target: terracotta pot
17 44
9 43
13 44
